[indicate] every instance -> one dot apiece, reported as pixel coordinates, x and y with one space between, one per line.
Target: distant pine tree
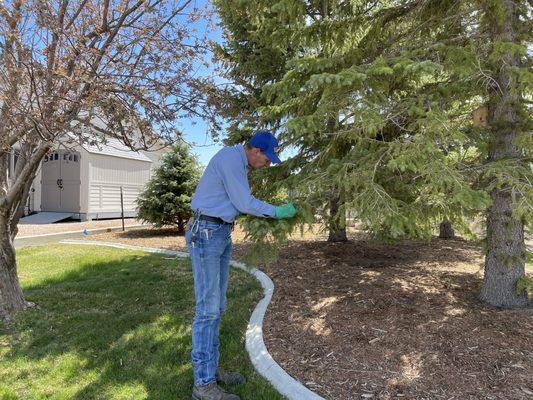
166 200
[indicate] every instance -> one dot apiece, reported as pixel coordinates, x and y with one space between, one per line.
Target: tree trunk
11 298
181 226
446 230
337 221
505 259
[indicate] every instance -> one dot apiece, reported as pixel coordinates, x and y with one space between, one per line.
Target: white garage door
60 182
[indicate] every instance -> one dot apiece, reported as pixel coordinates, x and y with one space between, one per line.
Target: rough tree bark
505 259
337 223
11 210
11 298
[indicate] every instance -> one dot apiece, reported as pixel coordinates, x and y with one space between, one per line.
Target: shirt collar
242 152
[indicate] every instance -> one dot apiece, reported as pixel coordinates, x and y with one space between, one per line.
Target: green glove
285 211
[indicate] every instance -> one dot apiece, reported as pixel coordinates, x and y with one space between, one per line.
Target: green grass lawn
115 324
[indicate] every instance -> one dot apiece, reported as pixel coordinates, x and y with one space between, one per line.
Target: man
222 193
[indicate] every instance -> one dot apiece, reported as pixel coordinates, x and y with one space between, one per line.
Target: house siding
107 175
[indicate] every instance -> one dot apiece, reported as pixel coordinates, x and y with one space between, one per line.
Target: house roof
114 147
111 147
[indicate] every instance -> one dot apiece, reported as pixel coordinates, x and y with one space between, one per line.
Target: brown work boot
212 392
229 378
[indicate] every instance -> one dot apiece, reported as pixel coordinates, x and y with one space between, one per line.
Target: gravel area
72 226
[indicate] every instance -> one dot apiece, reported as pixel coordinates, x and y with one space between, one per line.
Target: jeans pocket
210 229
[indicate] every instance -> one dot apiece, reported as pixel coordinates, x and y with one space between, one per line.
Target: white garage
86 181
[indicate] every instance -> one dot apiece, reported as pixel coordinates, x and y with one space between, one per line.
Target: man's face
257 159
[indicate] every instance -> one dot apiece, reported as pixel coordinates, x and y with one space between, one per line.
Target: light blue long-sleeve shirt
224 191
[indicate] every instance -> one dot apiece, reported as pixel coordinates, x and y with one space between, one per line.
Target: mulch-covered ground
362 319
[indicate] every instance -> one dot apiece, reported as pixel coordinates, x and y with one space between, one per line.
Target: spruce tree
378 99
166 199
508 167
254 54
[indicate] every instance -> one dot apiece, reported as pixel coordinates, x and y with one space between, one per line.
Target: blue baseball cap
266 142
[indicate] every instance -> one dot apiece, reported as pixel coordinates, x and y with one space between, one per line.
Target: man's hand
285 211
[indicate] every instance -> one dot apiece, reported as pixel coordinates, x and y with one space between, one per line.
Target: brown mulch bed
362 319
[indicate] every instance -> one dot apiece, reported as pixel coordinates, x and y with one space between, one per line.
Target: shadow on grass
150 233
118 329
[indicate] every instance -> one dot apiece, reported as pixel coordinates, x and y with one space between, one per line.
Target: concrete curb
255 345
259 355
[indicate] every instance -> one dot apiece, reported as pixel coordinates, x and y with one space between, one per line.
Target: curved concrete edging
261 358
255 345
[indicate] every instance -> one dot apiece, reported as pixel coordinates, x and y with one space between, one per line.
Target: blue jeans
209 245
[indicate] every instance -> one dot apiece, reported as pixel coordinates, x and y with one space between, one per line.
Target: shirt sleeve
237 187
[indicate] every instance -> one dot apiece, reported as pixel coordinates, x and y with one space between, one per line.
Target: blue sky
195 129
203 145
